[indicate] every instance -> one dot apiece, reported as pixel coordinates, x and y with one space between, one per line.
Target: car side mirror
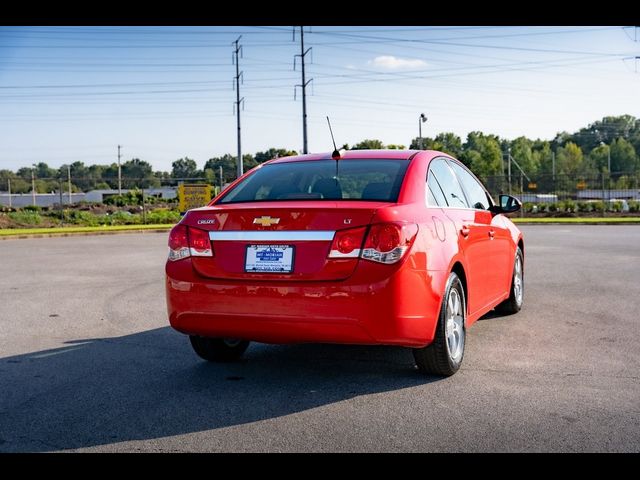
507 204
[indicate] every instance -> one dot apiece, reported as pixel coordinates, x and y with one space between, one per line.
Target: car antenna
337 154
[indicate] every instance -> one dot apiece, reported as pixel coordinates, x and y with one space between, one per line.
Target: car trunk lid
287 241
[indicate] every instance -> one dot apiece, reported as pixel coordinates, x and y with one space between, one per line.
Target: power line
97 85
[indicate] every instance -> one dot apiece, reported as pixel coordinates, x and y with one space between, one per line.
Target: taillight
199 243
347 243
185 241
388 242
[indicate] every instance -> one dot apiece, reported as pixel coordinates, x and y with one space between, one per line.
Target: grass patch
578 220
6 232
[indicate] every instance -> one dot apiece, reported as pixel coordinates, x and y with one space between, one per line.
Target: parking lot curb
74 234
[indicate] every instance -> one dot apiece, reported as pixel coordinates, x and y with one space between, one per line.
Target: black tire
513 304
436 358
218 349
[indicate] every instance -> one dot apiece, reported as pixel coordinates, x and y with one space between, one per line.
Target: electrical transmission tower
238 52
303 85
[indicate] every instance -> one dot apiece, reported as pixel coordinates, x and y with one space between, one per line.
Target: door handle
465 231
491 234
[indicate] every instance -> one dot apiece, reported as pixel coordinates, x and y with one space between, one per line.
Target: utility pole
221 179
509 169
119 175
238 51
33 185
9 185
304 84
553 165
69 180
421 120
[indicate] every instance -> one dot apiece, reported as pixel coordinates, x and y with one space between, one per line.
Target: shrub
598 206
31 208
570 205
634 205
79 217
583 207
163 215
125 218
615 206
26 218
552 207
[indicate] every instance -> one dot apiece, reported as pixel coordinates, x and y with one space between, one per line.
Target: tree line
586 153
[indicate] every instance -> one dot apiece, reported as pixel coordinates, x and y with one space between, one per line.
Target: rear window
378 180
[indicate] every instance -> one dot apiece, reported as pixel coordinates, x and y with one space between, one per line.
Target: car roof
353 155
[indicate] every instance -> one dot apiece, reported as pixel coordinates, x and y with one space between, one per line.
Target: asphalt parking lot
87 362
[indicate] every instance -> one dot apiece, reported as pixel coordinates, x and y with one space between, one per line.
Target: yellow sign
193 196
581 185
533 185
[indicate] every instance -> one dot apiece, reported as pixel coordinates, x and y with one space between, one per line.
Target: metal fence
49 192
554 188
17 192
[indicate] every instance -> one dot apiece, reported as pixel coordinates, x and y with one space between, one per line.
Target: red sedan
388 247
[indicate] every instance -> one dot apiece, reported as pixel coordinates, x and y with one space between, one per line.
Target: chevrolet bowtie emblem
266 221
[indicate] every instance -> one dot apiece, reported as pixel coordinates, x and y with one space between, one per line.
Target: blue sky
74 93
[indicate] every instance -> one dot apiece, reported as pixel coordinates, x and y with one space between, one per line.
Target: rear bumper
397 309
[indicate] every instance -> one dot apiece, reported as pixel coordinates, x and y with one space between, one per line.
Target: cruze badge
206 221
266 221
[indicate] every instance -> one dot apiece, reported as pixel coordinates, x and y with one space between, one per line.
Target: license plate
269 259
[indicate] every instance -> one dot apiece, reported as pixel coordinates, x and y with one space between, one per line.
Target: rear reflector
188 241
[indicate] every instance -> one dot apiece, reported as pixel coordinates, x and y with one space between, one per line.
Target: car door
472 230
496 256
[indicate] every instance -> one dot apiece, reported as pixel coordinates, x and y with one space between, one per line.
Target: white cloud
394 63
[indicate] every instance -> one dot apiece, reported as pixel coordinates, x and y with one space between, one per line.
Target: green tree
138 173
522 152
248 162
569 159
446 142
396 147
623 156
450 143
606 130
368 145
482 154
25 173
228 164
261 157
428 143
599 158
18 185
184 168
542 155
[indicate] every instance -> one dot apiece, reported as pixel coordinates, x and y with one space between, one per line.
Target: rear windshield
378 180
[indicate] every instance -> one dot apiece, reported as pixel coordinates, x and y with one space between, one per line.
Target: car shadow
150 385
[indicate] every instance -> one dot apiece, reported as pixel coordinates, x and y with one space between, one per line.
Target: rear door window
435 195
448 182
476 193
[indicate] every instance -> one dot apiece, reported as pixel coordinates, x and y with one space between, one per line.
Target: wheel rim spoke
455 325
517 280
